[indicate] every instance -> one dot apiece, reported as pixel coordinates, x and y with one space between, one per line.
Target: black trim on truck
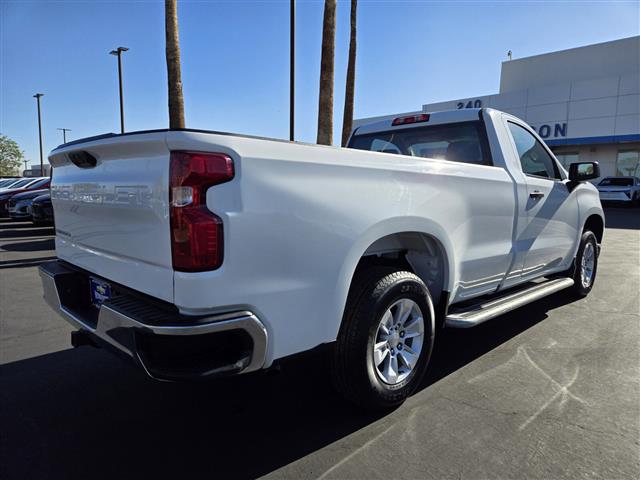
164 343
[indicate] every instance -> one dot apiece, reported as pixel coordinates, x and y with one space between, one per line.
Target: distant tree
325 101
347 118
11 157
176 100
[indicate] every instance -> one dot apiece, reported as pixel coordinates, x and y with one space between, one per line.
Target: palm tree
176 101
325 102
347 118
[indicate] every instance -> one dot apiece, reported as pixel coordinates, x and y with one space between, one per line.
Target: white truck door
550 234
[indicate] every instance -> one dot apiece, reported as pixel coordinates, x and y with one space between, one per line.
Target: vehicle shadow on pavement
10 223
12 232
456 348
85 414
622 217
25 262
30 246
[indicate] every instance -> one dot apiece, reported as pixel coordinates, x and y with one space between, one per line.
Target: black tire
353 369
580 289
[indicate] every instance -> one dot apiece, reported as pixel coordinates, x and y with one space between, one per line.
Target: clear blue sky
235 58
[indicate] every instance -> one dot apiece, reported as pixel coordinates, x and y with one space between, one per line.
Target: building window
567 158
628 163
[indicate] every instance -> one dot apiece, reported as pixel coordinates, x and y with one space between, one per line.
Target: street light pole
37 97
292 63
64 134
118 53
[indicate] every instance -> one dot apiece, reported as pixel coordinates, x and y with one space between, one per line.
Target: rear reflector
423 117
196 233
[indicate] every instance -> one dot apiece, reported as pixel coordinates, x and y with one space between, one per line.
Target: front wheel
386 338
586 264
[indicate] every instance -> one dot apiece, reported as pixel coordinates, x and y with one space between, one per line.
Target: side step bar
481 312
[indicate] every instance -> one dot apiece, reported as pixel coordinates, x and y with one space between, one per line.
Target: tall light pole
64 134
292 63
118 53
26 164
37 97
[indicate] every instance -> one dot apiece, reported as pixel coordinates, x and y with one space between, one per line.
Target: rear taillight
196 233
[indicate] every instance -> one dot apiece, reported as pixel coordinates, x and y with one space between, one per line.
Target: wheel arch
595 223
420 253
406 245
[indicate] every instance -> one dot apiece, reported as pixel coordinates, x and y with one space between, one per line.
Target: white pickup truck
198 254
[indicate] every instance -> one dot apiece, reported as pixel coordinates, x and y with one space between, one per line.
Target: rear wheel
386 338
586 264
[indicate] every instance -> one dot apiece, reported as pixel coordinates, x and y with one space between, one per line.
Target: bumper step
478 313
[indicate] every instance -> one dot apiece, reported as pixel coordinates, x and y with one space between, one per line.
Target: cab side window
533 156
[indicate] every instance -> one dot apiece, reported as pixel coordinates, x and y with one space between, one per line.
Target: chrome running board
481 312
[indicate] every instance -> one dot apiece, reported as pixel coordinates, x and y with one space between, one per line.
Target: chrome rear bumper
152 336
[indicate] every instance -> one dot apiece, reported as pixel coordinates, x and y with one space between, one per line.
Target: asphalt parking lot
548 391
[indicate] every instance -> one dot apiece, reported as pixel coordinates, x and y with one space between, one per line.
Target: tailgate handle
83 159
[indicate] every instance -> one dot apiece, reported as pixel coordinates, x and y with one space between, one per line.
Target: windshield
456 142
21 183
39 183
617 182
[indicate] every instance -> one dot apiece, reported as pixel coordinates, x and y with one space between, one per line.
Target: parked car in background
17 183
620 189
19 206
24 183
41 210
20 187
5 182
208 254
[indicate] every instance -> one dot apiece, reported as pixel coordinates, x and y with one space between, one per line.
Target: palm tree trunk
176 101
347 118
325 101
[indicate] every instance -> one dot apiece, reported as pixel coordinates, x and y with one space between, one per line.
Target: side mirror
583 171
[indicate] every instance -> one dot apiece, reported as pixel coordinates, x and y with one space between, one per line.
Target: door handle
536 194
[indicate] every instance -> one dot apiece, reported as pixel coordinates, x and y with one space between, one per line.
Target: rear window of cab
457 142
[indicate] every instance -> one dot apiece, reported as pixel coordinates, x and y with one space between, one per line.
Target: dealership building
584 102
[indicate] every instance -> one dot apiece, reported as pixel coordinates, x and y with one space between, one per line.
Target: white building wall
600 107
566 66
605 155
584 100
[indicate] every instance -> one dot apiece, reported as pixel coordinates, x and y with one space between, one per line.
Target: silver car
620 189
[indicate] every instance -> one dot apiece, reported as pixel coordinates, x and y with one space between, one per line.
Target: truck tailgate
112 219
